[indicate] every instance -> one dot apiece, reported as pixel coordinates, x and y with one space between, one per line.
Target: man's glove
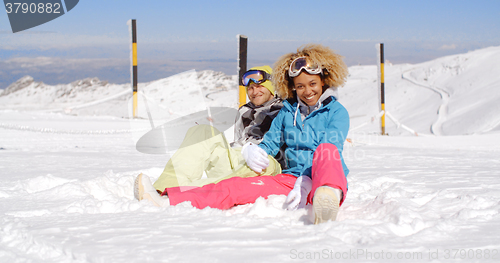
297 198
255 157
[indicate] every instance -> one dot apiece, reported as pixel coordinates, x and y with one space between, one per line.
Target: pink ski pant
326 171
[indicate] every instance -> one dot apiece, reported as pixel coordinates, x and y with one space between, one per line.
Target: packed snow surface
68 161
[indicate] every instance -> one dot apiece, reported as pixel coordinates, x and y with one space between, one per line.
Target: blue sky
174 36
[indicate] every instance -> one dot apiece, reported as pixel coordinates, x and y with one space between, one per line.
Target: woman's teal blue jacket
328 124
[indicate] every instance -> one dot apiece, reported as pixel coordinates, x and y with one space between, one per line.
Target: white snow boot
326 202
143 189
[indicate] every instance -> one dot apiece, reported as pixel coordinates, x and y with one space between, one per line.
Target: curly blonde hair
334 69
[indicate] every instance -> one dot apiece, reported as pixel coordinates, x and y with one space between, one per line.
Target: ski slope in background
68 162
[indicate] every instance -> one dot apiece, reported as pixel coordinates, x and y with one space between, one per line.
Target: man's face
258 94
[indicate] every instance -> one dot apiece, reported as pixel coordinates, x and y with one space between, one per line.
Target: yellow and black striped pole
134 64
242 68
382 86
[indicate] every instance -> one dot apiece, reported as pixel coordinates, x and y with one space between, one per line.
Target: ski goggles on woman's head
300 64
257 76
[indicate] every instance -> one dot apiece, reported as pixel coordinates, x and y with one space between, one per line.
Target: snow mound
43 183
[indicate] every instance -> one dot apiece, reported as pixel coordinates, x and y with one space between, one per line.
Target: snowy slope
67 197
452 95
468 85
175 95
68 162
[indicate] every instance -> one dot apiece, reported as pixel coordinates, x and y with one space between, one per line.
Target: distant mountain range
451 95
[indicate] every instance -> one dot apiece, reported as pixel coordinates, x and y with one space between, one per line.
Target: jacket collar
305 109
265 104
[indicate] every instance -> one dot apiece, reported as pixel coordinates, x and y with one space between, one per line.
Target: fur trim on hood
334 69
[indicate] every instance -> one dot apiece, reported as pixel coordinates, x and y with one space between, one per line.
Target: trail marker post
242 68
133 62
380 55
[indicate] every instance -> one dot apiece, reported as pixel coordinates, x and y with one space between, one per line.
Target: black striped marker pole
133 32
242 68
382 85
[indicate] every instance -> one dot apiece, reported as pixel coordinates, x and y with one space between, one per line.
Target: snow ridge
442 111
466 85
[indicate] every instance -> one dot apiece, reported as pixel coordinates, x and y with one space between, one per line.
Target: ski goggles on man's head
300 64
257 76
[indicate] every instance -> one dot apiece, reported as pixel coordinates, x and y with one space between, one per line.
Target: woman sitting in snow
312 125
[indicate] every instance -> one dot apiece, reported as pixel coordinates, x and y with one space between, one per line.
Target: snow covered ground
68 161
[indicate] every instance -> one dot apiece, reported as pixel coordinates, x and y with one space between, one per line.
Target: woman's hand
297 198
255 157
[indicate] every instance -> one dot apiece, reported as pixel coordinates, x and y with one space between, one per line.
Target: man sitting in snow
204 158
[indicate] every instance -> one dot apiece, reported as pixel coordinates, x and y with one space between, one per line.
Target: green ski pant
205 151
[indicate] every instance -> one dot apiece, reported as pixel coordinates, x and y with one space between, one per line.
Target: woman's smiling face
308 87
